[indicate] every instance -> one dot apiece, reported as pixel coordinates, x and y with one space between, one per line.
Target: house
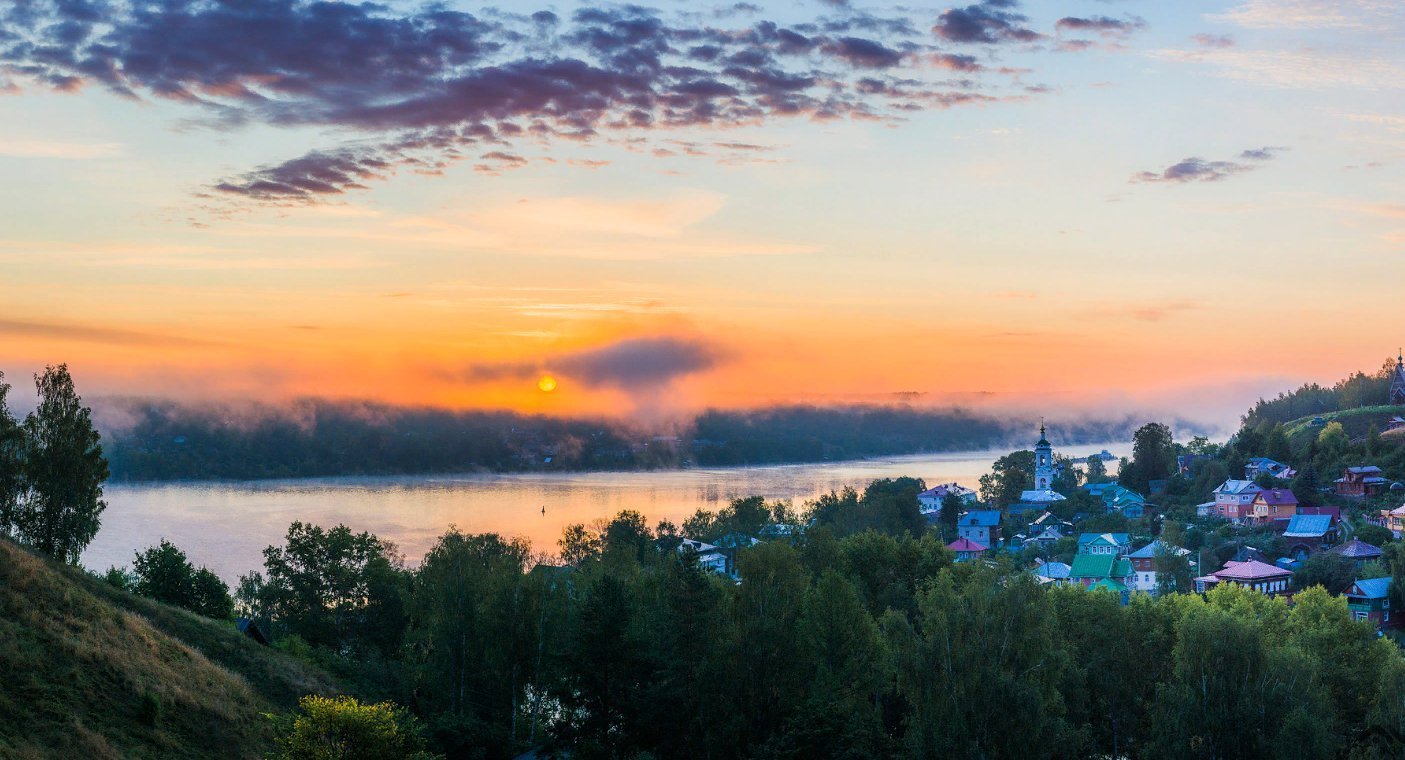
1205 509
1052 573
252 630
1273 504
1235 498
710 557
1091 569
1369 599
1309 533
1394 519
980 525
1114 544
930 500
1358 482
1253 574
1264 466
1144 564
966 549
1357 551
1395 423
1117 497
1048 536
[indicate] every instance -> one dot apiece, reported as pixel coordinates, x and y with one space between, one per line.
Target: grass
93 672
1356 422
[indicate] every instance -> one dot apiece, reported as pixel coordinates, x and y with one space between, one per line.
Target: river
226 525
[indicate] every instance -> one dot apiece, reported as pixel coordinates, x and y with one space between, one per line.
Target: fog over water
225 526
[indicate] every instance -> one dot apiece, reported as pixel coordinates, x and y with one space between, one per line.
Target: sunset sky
1116 204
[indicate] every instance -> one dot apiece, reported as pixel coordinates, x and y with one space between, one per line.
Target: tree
336 588
1374 534
1097 470
951 511
163 573
1153 457
341 728
1008 477
64 470
12 445
475 633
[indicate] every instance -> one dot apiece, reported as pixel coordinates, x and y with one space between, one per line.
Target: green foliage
1153 457
163 573
51 489
334 588
1332 572
1010 475
889 506
1374 535
341 728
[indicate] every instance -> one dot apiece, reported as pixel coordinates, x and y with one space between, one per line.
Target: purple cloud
989 22
1200 170
424 86
631 364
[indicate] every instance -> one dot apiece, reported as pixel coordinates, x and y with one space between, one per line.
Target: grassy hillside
1356 422
93 672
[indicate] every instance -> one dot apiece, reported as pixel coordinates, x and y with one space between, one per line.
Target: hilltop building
931 499
1046 471
1397 381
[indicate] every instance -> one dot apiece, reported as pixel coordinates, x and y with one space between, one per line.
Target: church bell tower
1043 462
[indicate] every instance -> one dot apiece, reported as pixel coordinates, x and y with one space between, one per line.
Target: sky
1106 205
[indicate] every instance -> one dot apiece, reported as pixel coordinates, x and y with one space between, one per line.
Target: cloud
1149 312
1201 170
1103 25
89 334
420 87
1220 41
990 22
631 364
1374 15
1304 68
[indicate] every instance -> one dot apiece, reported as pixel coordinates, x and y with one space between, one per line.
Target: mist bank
148 440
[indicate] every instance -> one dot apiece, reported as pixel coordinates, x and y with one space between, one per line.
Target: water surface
225 526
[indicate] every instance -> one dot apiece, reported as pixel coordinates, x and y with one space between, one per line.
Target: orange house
1274 504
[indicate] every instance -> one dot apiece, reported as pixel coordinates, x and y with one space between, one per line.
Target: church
1046 471
1397 380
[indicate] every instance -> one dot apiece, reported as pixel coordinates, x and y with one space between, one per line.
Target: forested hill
314 438
1359 390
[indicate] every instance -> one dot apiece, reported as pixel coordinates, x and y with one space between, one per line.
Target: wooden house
1273 504
1259 576
966 549
1358 482
1369 599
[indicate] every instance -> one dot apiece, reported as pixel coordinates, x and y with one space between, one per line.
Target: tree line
164 440
845 641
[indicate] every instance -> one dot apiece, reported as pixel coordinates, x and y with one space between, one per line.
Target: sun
546 384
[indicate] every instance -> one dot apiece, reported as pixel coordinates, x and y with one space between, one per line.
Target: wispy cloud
56 149
92 334
1201 170
1315 14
